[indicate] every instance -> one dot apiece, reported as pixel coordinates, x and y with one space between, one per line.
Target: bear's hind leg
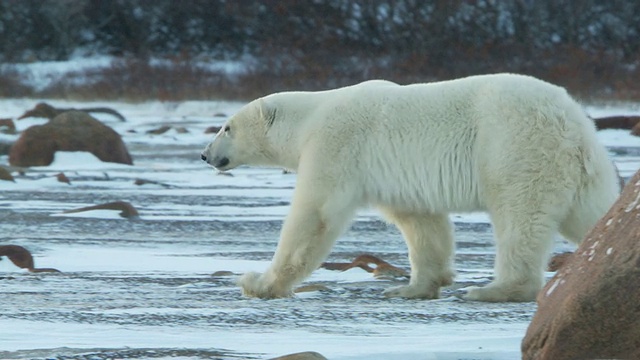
431 249
524 239
315 221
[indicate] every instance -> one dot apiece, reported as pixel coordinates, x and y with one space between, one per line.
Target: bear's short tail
598 189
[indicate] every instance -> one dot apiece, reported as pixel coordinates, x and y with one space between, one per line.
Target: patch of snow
553 287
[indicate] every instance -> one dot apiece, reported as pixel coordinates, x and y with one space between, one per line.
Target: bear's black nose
204 158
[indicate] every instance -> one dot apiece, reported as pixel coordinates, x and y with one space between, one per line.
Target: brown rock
591 308
222 273
126 209
310 288
616 122
7 126
44 110
22 258
141 182
70 131
161 130
635 130
6 175
307 355
63 178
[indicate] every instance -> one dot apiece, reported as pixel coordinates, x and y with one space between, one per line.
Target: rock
141 182
6 175
22 258
161 130
616 122
311 288
212 130
44 110
558 260
591 308
307 355
222 273
63 178
182 130
635 130
7 126
126 209
70 131
382 268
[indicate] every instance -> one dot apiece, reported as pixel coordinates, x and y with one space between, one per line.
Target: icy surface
145 288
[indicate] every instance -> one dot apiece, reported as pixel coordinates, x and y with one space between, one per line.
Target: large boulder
69 131
307 355
591 308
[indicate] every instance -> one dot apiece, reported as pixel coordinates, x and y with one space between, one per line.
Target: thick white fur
512 145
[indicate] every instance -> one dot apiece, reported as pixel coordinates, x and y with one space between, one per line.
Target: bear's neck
285 144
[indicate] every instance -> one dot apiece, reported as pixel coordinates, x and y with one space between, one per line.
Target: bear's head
243 138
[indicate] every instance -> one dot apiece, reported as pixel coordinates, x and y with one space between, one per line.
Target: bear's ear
267 112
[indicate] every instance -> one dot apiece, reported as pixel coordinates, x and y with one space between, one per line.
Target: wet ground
145 289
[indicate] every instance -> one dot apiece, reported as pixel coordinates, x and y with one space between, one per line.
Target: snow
116 270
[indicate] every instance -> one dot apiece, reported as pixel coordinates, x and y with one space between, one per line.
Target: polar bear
511 145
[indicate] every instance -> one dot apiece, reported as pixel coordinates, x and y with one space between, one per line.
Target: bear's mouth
221 163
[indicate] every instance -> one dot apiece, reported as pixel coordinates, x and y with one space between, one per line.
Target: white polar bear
514 146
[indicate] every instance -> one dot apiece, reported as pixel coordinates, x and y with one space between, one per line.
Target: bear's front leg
314 223
429 238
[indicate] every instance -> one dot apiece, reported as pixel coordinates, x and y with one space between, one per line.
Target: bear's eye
227 128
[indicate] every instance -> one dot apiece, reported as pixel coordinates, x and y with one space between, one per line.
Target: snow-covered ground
144 288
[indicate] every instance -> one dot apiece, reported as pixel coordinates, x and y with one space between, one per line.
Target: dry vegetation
138 80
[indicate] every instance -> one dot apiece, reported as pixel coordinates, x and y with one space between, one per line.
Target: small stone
311 288
160 130
63 178
6 175
222 273
7 126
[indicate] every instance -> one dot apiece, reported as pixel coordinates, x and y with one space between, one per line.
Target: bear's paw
501 293
413 292
254 284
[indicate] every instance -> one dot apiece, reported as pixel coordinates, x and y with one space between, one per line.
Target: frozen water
145 288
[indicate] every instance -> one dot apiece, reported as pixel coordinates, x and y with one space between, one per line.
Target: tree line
324 40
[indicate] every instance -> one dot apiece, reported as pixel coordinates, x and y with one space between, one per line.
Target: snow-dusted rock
591 308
